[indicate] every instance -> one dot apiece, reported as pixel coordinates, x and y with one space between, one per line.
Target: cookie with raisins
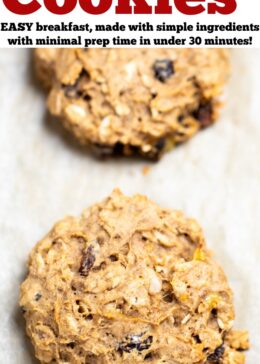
129 282
133 101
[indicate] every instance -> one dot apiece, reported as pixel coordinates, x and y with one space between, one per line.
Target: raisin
74 91
180 118
197 339
71 345
87 262
118 149
88 317
37 297
71 91
134 342
145 344
168 296
214 312
87 97
113 258
217 355
160 144
163 69
103 151
148 356
204 114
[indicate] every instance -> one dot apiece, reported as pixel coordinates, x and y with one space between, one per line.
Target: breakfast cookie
133 101
129 282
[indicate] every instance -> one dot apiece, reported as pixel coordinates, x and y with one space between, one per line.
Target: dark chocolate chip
217 355
163 69
88 260
204 114
37 297
135 342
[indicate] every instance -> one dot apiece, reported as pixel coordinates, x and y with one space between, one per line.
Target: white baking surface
44 176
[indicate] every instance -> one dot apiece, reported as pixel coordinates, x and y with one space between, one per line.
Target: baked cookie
133 101
129 282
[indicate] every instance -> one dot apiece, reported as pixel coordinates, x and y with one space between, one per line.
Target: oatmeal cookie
133 101
129 282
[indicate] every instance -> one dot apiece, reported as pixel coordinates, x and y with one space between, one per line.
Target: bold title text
187 7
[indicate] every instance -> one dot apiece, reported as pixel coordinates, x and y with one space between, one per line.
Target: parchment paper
45 176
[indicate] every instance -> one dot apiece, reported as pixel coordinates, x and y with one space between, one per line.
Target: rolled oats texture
44 176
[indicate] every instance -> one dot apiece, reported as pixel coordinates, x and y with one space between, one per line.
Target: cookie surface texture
133 101
129 282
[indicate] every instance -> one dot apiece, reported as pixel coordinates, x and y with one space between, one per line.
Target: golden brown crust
128 282
135 101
